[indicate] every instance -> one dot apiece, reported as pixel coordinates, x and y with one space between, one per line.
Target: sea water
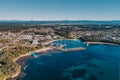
97 62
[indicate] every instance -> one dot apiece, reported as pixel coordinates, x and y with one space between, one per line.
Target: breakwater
89 43
70 49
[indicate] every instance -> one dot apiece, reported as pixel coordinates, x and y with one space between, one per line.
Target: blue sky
59 9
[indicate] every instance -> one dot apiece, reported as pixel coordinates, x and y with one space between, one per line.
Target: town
40 36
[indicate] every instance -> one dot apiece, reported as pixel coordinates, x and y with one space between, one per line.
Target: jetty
89 43
70 49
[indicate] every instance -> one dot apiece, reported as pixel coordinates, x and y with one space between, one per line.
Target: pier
89 43
70 49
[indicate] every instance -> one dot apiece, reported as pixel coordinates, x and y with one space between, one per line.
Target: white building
26 37
49 37
35 42
0 64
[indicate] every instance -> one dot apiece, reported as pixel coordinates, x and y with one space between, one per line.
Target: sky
59 9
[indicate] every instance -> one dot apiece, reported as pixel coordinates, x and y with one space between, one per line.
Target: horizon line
59 20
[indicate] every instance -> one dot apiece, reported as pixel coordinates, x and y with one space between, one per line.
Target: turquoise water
97 62
70 43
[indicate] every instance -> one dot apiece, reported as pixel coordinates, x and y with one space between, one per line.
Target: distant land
64 22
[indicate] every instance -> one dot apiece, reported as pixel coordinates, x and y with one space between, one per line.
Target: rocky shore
21 61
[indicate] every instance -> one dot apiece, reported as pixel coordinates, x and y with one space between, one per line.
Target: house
88 34
35 41
1 52
26 37
1 45
49 37
0 64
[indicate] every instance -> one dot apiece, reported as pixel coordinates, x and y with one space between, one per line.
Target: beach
22 58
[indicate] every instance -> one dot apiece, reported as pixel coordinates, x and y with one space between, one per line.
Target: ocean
97 62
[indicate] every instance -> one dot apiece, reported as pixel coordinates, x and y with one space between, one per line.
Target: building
26 37
35 41
0 64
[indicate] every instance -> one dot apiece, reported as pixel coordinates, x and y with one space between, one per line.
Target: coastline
60 39
45 49
23 56
89 42
28 54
